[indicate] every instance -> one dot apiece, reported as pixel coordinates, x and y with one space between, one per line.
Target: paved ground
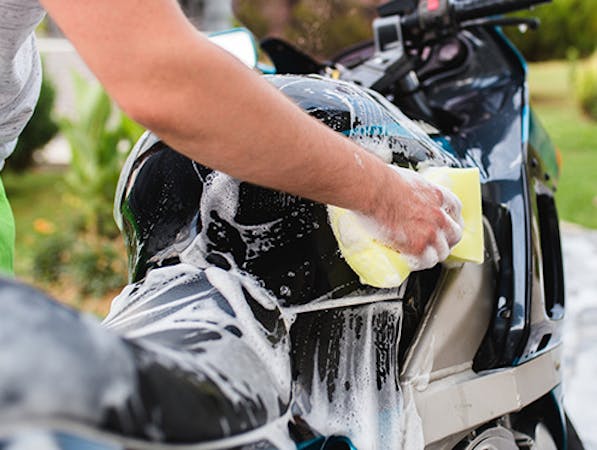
580 336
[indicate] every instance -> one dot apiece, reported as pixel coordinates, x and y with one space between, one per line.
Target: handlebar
463 10
443 13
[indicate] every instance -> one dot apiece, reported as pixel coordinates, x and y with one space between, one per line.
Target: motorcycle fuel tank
173 209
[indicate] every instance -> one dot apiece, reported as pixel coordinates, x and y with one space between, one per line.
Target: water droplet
285 291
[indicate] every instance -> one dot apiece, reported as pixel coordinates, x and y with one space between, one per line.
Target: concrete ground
580 330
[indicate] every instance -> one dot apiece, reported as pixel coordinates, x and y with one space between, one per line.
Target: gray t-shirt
20 69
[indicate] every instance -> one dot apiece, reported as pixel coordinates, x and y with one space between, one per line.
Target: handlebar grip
474 9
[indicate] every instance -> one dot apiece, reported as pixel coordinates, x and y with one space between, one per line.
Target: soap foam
255 366
366 405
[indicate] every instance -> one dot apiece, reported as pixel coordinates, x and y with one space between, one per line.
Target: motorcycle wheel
499 437
495 438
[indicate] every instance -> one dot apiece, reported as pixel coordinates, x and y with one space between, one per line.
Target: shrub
100 138
87 256
321 28
39 131
585 83
98 266
565 24
87 265
326 28
50 256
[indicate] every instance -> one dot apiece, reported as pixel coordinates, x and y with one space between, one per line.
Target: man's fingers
425 260
453 231
428 225
452 206
442 248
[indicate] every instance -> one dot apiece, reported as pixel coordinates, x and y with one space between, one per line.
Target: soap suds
366 404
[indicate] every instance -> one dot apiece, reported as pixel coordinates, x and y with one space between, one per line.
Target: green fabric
7 234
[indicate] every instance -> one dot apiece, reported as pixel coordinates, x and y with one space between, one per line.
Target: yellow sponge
382 267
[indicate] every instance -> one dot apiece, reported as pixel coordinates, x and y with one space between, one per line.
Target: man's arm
207 105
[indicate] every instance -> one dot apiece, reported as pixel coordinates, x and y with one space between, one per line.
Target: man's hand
420 219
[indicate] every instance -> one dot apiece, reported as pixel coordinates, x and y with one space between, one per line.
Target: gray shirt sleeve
20 69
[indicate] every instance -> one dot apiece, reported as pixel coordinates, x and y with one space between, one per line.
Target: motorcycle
243 326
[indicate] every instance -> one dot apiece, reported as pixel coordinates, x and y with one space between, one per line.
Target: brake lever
530 22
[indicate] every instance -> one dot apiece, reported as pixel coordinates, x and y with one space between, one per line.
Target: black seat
169 381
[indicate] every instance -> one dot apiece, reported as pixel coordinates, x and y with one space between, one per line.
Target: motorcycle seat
177 383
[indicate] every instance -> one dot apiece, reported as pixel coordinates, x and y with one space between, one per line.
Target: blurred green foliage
253 18
52 253
552 97
585 83
321 28
39 131
324 27
565 25
86 255
100 138
92 265
49 257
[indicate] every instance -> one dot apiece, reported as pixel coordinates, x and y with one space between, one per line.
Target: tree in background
39 131
585 85
323 27
100 138
565 25
84 255
319 27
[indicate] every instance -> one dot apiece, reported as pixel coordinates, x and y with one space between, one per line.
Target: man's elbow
165 116
146 112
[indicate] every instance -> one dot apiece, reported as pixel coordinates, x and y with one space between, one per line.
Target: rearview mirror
239 42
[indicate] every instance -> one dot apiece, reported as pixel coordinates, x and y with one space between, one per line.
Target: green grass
574 134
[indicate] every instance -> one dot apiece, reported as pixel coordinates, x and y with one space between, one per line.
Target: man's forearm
197 98
258 135
210 107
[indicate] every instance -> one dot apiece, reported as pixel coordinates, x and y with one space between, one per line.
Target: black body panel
282 240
